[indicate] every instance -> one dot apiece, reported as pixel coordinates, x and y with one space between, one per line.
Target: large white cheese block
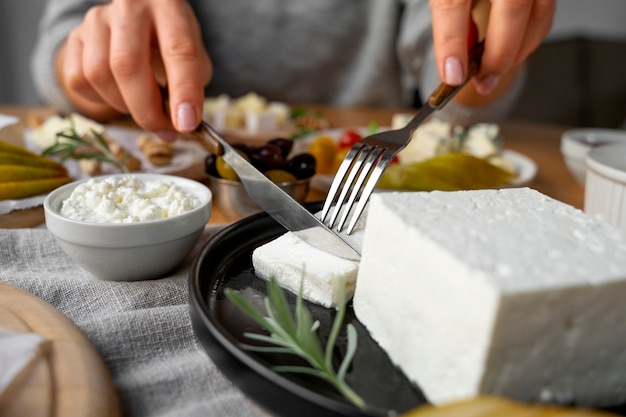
506 292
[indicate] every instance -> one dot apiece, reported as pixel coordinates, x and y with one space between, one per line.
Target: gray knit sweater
341 52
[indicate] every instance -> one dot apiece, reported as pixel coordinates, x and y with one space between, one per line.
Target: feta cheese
126 199
505 292
46 134
482 140
429 140
290 260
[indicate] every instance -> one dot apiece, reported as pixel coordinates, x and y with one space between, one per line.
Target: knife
277 203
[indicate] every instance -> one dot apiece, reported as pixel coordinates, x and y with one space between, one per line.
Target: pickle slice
448 172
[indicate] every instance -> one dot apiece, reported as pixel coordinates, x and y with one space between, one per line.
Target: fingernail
167 135
487 84
453 71
186 117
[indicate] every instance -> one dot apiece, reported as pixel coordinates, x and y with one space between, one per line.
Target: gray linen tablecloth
141 329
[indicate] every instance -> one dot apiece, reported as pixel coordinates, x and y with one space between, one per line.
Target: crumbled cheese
505 292
126 199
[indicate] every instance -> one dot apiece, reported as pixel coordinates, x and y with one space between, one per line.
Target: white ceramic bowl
129 251
576 143
605 187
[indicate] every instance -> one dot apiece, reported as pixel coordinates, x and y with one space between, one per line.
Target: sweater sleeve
60 17
417 56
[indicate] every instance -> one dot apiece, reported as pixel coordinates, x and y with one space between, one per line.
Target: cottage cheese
126 199
506 292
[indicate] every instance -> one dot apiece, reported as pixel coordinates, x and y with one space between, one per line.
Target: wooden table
540 142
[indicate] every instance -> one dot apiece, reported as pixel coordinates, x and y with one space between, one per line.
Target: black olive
301 166
267 157
209 165
284 144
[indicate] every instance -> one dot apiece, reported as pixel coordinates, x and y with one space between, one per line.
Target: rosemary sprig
299 337
74 146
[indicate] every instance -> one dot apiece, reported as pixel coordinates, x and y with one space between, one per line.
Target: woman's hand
116 59
512 29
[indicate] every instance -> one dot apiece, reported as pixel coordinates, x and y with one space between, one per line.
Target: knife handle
205 134
202 134
445 92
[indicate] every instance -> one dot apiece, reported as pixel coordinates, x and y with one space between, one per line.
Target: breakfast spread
506 292
126 199
440 156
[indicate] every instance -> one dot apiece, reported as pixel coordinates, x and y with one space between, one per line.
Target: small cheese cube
291 261
505 292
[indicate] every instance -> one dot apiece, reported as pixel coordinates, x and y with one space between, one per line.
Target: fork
365 162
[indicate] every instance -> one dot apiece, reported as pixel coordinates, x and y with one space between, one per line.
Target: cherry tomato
348 138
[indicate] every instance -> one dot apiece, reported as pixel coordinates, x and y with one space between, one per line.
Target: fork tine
370 163
339 179
378 169
356 168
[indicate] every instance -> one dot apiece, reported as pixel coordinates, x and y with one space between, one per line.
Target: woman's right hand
114 62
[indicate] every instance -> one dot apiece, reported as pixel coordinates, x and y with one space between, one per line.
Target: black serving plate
225 262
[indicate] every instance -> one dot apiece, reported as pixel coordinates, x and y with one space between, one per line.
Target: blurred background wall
578 77
18 32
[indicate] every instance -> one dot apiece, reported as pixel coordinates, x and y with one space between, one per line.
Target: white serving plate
188 160
526 168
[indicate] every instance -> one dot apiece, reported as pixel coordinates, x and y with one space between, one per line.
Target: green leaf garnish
371 128
76 147
299 337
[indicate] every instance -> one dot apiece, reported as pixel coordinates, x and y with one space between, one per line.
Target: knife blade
276 202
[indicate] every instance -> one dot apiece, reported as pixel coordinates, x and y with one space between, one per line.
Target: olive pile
271 159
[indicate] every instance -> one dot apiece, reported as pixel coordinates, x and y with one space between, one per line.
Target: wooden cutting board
69 378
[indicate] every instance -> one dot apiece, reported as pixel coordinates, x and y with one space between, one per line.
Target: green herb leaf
371 128
68 144
299 337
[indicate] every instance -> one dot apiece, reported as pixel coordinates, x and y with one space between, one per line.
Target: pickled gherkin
447 172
